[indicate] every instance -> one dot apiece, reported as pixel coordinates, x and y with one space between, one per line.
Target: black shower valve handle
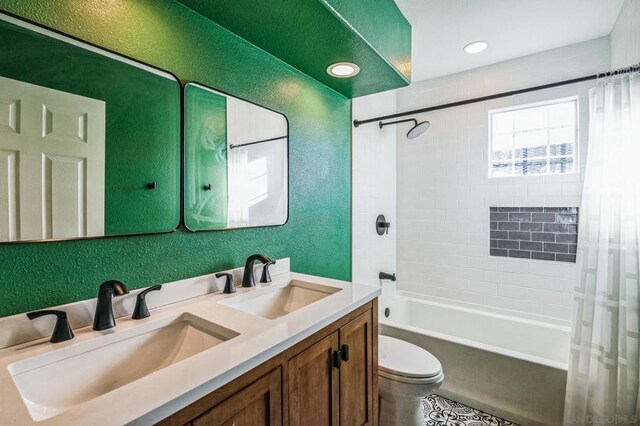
141 310
386 225
382 226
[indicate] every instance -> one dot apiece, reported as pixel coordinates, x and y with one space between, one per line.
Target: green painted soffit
383 25
310 35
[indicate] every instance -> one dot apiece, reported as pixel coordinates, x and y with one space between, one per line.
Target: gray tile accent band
541 233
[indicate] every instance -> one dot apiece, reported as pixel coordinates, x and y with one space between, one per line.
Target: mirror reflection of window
258 157
253 188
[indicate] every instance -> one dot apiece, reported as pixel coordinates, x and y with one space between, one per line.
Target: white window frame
576 154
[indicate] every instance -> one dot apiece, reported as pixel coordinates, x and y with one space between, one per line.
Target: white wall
444 192
374 190
625 36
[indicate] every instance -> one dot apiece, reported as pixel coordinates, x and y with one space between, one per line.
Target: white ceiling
513 28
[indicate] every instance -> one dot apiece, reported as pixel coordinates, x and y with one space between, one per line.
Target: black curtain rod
632 68
253 143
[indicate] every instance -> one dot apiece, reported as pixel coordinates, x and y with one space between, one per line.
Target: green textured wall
170 36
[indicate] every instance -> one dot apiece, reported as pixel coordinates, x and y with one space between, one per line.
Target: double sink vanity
301 347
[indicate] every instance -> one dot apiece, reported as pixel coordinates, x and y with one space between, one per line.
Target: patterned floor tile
439 411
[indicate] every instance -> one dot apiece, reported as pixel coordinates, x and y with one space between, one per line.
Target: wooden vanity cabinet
259 404
330 378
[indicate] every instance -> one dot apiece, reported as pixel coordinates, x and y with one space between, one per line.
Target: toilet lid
402 358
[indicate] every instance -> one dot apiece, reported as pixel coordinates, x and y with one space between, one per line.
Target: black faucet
248 280
386 276
103 318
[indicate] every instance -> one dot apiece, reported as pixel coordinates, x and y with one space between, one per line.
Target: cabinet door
258 404
356 372
313 385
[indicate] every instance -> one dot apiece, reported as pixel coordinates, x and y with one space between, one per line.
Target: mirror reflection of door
52 163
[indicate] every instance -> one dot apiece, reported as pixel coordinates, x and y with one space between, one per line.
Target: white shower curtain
238 207
603 381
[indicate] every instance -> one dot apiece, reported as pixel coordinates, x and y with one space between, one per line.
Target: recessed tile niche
540 233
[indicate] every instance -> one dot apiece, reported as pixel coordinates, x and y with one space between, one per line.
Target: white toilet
406 374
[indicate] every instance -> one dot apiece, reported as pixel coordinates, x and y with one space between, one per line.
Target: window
535 139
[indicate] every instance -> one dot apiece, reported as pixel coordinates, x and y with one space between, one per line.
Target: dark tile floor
439 411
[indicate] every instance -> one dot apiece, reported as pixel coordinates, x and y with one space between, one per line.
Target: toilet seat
405 362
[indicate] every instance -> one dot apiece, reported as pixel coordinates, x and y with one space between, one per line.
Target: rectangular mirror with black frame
89 140
236 163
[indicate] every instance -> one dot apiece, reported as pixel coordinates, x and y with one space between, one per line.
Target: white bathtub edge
405 296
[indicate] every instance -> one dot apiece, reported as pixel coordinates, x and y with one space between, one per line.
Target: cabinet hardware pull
207 187
344 351
152 185
336 359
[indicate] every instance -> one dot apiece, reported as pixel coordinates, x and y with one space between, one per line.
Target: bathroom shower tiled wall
444 189
374 188
539 233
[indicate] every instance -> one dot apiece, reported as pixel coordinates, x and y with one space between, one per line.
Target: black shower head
418 129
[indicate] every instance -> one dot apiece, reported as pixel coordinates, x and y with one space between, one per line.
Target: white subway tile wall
444 192
374 190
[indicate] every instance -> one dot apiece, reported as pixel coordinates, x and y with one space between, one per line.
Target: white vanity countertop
158 395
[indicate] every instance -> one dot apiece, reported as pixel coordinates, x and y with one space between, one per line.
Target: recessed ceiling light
343 69
475 47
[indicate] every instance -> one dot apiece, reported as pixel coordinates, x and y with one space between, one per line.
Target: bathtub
510 366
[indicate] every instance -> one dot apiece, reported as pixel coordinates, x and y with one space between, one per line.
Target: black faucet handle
266 276
62 330
141 310
229 287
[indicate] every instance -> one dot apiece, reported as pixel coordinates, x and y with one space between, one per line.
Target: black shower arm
415 122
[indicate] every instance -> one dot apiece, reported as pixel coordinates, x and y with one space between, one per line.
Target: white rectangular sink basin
54 382
278 301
